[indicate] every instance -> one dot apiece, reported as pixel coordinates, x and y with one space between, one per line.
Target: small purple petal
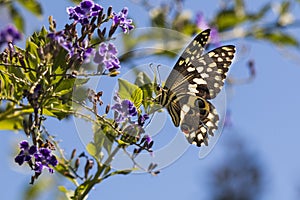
9 34
106 55
83 12
202 24
27 158
19 159
24 144
117 107
87 5
125 11
121 20
45 152
53 161
38 167
112 49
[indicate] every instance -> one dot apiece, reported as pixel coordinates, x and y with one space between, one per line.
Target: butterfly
196 79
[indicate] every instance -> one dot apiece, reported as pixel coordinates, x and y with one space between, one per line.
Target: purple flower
148 138
58 36
37 158
83 52
26 152
9 34
142 119
121 20
202 24
85 10
44 158
125 109
106 55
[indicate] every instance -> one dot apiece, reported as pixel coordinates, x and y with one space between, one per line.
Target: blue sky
264 115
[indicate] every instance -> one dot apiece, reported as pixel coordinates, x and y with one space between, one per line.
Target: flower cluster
79 47
121 20
107 56
126 113
37 158
125 110
84 11
202 24
79 51
9 34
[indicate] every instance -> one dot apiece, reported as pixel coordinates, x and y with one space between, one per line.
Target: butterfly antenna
159 78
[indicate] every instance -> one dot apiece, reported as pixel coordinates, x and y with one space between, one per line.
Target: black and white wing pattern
195 79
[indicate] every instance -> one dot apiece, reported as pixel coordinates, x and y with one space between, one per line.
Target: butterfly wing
193 50
201 75
199 120
207 74
195 79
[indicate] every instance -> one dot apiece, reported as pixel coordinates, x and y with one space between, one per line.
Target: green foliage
32 6
30 67
131 92
228 19
16 17
145 84
104 137
279 38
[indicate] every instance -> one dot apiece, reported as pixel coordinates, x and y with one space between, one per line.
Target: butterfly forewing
193 50
208 73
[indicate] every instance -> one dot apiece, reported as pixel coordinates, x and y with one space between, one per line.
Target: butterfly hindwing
199 120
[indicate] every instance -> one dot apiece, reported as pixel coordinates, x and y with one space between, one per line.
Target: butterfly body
195 79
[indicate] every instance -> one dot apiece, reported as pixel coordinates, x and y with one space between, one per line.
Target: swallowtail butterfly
195 79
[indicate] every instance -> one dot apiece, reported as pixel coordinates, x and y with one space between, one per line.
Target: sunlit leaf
33 6
131 92
261 13
65 87
16 18
279 38
144 82
228 19
12 123
91 149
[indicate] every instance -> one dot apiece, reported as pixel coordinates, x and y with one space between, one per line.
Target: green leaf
16 17
59 60
69 193
32 49
158 17
284 7
64 87
227 19
131 92
56 108
34 191
144 82
103 137
91 149
12 124
33 6
279 38
137 97
261 13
